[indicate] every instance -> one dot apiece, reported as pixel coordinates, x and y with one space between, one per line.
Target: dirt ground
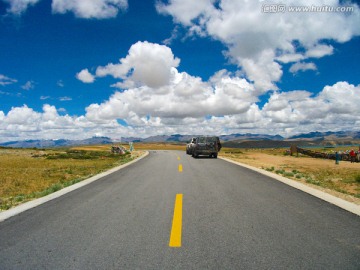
264 159
339 180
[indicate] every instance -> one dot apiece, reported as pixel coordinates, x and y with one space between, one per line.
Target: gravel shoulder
322 174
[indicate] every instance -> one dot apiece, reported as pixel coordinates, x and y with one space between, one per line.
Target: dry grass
341 180
27 174
160 146
137 146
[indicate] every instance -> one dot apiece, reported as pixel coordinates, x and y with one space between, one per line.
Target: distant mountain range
186 138
56 143
233 140
326 139
343 135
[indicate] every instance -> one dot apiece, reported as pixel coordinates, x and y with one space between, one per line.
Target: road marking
175 236
178 158
180 168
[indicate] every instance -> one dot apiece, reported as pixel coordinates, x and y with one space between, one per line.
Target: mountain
329 135
160 138
257 144
246 140
186 138
250 137
56 143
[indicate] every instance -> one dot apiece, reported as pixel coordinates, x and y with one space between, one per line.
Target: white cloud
146 64
174 36
225 103
156 98
17 7
28 85
99 9
4 80
231 102
159 90
319 51
87 9
334 108
154 87
263 70
65 98
300 66
60 83
21 115
184 11
288 58
250 34
85 76
22 123
148 113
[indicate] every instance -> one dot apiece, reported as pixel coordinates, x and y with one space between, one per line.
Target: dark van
206 146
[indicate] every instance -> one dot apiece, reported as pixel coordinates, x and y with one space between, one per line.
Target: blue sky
76 69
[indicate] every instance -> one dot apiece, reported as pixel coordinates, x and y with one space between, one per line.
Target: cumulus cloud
182 103
251 34
184 97
291 57
24 123
21 116
87 9
146 64
225 105
85 76
263 70
319 51
99 9
17 7
300 66
299 109
156 98
152 86
184 11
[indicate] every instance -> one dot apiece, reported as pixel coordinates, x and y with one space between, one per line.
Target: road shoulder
348 206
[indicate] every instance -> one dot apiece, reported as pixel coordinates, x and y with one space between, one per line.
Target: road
231 218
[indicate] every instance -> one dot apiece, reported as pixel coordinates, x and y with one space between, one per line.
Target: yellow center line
180 168
178 158
175 236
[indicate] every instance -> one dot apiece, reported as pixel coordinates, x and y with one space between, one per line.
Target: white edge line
31 204
348 206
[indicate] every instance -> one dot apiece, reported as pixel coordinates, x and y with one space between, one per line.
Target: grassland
342 180
137 146
26 174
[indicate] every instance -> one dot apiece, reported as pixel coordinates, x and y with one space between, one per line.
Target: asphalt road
232 218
